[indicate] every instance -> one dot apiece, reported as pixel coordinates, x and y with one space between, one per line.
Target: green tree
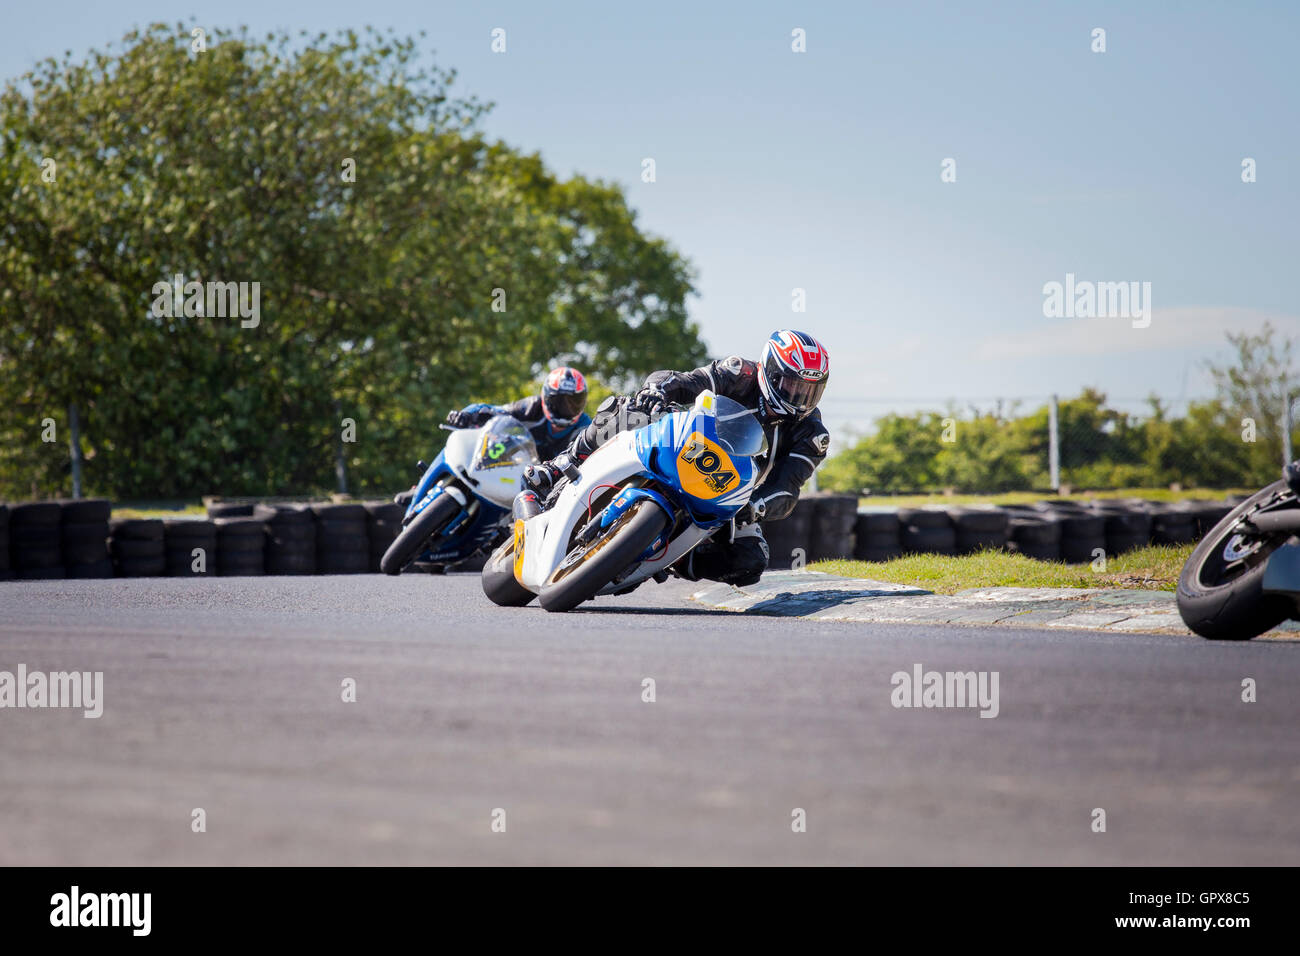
1253 391
406 265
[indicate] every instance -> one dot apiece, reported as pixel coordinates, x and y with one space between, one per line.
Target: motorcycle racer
783 387
553 417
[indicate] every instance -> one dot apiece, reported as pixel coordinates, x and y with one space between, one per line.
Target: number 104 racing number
713 469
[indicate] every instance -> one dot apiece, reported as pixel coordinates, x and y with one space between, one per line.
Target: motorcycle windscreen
504 442
737 428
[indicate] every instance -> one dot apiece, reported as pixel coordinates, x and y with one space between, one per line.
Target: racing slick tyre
588 569
499 582
1221 590
408 545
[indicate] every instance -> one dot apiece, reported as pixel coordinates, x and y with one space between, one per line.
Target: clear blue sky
821 170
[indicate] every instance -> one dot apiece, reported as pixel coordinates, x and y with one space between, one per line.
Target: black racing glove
651 401
458 419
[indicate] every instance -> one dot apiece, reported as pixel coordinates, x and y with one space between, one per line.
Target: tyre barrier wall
80 539
832 526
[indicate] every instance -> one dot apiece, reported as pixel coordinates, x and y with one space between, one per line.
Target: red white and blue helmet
564 396
795 370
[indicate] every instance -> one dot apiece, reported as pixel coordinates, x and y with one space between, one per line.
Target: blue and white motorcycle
461 506
638 504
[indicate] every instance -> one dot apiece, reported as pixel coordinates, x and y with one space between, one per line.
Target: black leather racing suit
796 448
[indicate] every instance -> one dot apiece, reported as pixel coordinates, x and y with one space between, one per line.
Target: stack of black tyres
136 545
83 534
979 529
834 517
1083 532
926 531
342 541
1034 533
788 538
290 538
875 535
35 550
383 524
6 569
190 547
241 543
1128 525
1171 524
1206 513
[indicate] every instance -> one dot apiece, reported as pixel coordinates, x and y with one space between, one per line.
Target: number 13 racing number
710 461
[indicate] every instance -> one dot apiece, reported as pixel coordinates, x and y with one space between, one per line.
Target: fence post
1286 428
74 448
341 461
1053 446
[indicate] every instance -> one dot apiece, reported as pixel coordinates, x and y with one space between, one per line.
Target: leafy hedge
1100 447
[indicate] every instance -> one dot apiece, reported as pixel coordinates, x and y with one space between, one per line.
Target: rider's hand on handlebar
457 419
650 400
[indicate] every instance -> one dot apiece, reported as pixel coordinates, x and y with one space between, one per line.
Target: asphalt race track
225 694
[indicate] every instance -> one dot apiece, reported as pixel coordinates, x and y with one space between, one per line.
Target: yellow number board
704 468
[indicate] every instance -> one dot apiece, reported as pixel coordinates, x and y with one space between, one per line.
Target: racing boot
544 479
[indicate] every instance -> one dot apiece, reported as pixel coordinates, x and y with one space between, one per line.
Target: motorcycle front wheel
1221 588
408 545
589 568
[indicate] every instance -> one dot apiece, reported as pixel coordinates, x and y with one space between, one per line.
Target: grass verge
159 509
1154 568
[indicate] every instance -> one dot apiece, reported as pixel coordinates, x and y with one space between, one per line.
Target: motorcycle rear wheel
610 554
1221 588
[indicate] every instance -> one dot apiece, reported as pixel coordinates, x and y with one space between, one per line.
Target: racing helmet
564 396
795 370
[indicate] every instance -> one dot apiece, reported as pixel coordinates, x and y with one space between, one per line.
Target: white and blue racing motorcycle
461 506
636 506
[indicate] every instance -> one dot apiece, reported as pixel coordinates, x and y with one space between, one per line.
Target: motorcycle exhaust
526 505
